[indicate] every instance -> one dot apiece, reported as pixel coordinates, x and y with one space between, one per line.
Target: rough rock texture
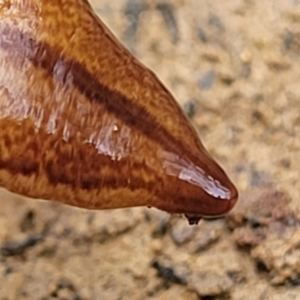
235 69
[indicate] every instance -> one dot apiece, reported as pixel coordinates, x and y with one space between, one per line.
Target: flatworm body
84 123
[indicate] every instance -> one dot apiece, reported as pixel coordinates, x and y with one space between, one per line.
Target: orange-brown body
84 123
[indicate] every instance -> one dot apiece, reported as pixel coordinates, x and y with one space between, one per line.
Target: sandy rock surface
234 67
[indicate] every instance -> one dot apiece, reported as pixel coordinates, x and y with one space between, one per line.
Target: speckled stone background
234 67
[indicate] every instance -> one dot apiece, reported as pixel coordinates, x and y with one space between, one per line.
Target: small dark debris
8 270
288 39
278 66
240 168
226 79
258 178
215 21
259 98
167 273
64 283
167 11
202 35
17 248
207 80
291 43
285 163
190 108
211 57
193 219
261 267
65 290
28 222
236 277
294 281
159 222
245 70
132 11
257 115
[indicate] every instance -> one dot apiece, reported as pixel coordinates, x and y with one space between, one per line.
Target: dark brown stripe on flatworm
42 55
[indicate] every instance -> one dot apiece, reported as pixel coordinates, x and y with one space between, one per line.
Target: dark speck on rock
216 22
193 219
132 11
190 108
168 273
17 248
207 80
167 11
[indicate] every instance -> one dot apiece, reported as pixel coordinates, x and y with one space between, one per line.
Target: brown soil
233 67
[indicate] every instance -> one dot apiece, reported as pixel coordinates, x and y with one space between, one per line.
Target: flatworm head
84 123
